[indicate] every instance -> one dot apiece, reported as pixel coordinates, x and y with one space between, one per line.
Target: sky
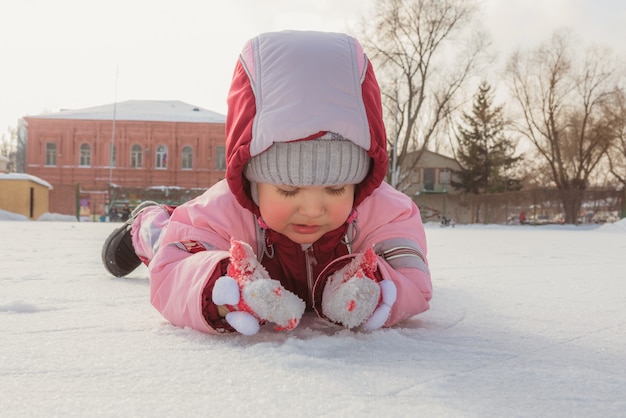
524 322
72 54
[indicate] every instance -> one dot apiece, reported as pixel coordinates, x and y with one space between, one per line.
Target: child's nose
312 206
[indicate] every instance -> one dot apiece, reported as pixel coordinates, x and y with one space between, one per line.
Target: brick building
120 151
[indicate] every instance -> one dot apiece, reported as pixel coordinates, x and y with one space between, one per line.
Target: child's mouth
306 229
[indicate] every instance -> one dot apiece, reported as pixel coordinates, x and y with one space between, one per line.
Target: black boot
118 254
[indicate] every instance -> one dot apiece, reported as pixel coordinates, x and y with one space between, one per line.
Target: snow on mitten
389 294
352 297
252 296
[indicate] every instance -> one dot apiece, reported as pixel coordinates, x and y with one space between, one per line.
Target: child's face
305 213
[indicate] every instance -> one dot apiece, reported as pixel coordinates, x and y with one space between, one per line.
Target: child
303 220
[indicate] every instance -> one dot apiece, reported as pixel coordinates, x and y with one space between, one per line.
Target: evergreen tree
485 154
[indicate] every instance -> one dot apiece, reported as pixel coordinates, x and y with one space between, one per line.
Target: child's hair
328 160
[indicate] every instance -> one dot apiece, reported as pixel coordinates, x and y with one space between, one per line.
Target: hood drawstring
352 232
265 248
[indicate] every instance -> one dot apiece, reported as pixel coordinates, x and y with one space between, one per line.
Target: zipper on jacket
309 257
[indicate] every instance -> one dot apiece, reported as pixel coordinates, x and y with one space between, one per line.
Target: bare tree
617 152
21 137
13 146
8 148
562 97
423 56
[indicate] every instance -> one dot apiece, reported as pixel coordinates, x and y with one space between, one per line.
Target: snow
56 217
525 322
10 216
24 176
141 110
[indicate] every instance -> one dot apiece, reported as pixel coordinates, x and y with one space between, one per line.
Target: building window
51 154
220 157
112 156
429 179
444 176
85 156
136 156
161 157
187 158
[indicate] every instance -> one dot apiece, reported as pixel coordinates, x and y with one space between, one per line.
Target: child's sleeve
181 282
392 225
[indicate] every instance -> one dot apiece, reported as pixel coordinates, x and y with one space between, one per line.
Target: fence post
78 201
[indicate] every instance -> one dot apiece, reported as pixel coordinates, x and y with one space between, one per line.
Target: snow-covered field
525 322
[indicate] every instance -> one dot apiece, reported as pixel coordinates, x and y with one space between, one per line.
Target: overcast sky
65 54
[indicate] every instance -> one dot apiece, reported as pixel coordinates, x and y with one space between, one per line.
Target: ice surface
525 322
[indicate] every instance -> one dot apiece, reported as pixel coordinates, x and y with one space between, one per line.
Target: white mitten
252 296
352 297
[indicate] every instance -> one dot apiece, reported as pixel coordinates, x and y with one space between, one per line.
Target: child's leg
137 239
147 230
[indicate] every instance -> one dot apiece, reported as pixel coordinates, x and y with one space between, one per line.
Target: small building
22 193
430 185
433 174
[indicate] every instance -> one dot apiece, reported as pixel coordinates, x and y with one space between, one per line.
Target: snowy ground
525 322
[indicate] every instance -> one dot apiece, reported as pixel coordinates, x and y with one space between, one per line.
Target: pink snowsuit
280 93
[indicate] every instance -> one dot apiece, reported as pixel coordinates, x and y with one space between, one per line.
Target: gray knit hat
326 161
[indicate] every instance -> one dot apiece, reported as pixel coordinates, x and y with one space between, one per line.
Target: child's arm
193 255
373 289
390 223
247 296
181 281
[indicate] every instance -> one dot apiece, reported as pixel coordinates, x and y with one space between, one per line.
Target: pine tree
485 154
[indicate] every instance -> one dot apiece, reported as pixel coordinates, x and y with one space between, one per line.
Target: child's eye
287 192
337 191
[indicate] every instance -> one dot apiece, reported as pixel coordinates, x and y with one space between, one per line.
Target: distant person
125 213
522 218
303 220
114 215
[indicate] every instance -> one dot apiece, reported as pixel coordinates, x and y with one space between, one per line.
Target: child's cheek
276 217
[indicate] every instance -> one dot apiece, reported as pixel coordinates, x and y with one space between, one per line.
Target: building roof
24 176
141 110
431 159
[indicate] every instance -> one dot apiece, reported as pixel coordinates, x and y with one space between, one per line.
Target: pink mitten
352 297
252 296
